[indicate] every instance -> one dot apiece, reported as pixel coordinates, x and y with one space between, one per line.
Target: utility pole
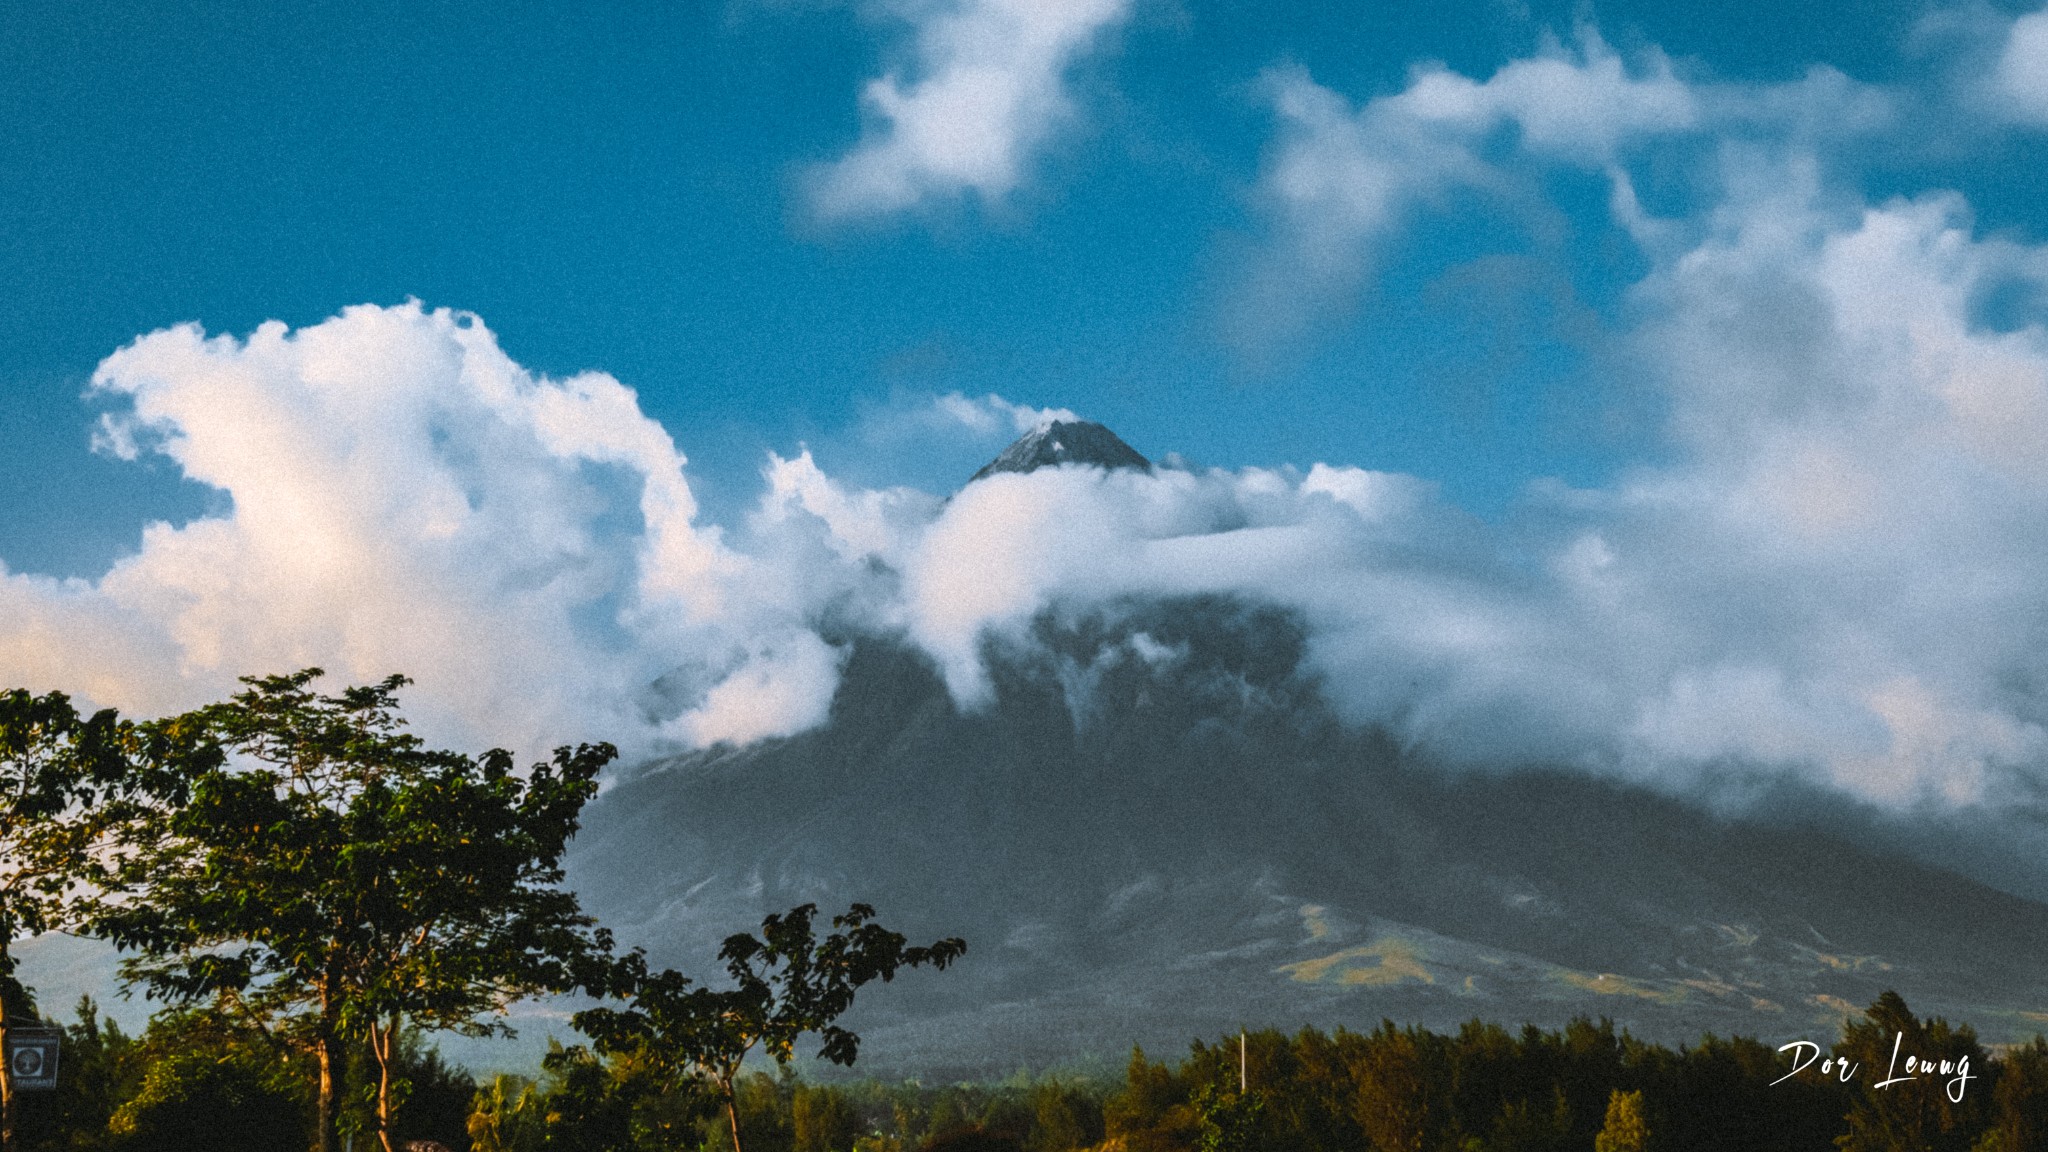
1242 1083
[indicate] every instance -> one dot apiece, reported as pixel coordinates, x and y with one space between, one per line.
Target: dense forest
311 894
200 1080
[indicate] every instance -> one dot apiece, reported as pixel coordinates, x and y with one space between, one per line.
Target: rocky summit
1064 442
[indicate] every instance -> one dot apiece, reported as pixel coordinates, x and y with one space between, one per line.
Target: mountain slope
1157 830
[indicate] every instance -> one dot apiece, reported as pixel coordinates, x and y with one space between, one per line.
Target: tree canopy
788 983
334 880
54 767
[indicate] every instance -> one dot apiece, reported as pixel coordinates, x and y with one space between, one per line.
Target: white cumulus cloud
2019 80
407 499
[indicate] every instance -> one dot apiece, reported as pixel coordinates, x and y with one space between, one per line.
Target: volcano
1156 828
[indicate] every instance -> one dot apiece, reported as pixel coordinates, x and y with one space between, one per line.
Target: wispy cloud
992 413
1343 176
1342 180
985 90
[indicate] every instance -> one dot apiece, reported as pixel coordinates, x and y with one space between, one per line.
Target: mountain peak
1064 442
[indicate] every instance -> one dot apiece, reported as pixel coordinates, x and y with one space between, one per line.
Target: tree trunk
331 1064
732 1116
6 1076
382 1042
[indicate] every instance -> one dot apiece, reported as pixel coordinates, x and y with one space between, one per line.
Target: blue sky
1672 370
622 188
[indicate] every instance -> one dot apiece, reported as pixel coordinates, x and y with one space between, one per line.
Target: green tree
586 1107
329 877
1151 1111
583 1103
206 1079
509 1115
1229 1119
761 1104
1921 1114
1064 1116
55 768
1397 1105
1523 1126
1626 1129
192 1100
435 1102
2021 1100
789 983
101 1071
825 1119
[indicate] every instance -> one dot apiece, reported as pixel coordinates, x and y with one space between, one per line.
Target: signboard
31 1057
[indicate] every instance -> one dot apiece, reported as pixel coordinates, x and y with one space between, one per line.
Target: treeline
200 1080
1584 1088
